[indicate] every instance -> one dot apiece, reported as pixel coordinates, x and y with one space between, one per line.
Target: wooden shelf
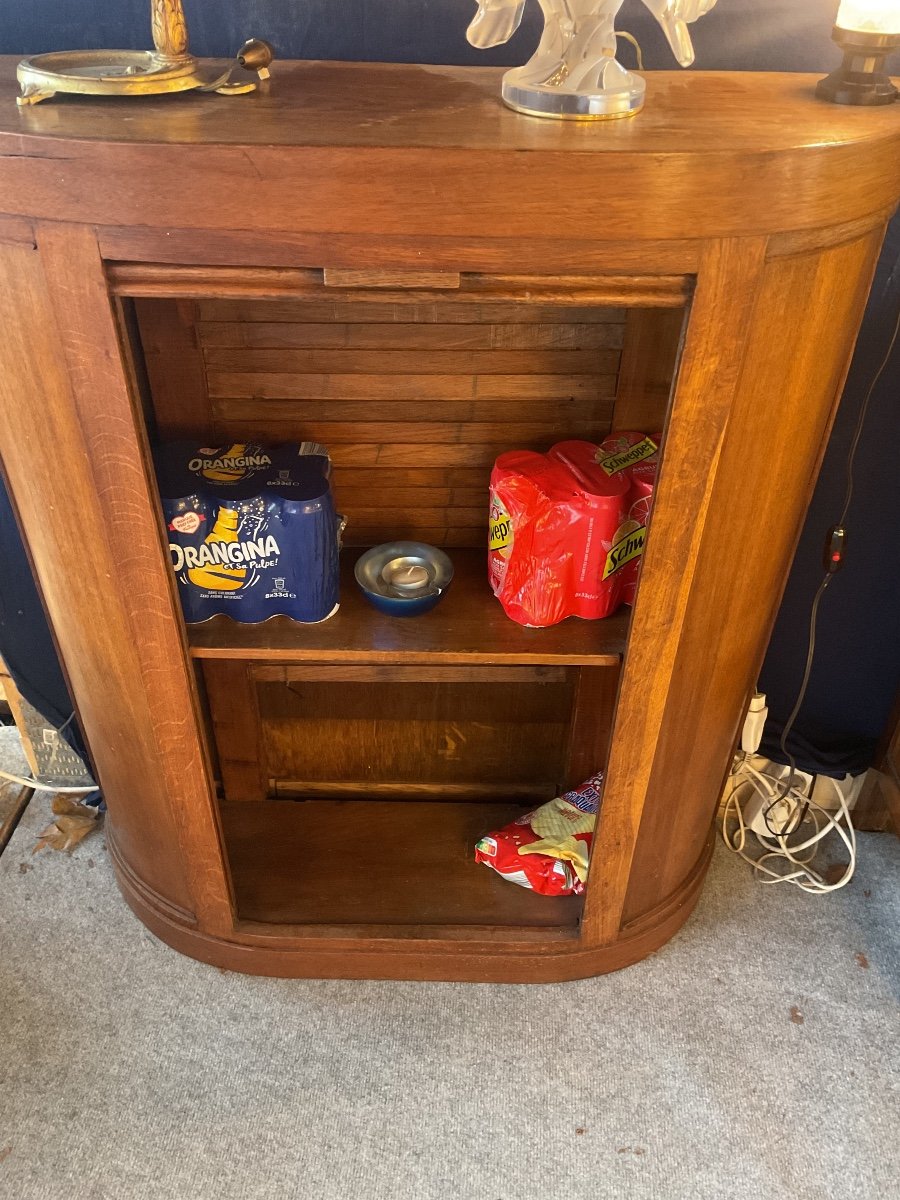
468 626
370 862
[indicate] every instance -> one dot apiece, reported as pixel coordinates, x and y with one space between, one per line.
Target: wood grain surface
441 156
302 863
798 344
397 734
710 369
408 732
471 378
467 626
750 207
63 403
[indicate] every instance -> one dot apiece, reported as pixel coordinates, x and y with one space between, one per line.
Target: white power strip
777 807
756 805
822 789
849 786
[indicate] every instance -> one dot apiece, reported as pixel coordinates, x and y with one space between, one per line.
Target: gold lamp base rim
108 72
115 73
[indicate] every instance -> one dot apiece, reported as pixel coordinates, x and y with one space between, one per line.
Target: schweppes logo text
501 530
226 554
620 459
627 546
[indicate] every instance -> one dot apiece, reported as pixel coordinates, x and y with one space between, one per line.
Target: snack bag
552 524
547 850
252 530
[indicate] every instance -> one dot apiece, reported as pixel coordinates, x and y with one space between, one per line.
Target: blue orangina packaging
252 530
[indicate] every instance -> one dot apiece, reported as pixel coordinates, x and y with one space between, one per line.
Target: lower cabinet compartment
364 862
354 794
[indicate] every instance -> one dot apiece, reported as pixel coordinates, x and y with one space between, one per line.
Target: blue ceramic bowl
404 579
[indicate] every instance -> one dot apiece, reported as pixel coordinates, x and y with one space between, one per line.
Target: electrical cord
779 848
864 408
48 787
795 712
838 531
52 787
779 794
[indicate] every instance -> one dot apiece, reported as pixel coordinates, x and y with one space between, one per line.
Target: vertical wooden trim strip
128 520
799 342
647 370
175 367
46 465
591 723
727 288
231 687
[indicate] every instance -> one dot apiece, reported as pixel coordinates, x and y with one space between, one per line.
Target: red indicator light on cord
835 545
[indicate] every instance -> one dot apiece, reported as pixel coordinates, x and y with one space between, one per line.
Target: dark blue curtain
25 643
745 35
857 668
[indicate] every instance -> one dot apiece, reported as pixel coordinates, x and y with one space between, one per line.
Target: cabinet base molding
460 955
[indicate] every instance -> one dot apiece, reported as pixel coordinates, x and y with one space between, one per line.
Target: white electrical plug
778 818
754 723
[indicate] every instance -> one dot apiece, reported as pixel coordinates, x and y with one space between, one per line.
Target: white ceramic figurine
574 72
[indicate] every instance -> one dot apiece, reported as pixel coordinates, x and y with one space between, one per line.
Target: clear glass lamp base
616 93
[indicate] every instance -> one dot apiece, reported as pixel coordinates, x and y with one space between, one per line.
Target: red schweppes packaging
552 525
567 528
635 458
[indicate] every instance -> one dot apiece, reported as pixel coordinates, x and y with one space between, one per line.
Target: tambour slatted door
413 400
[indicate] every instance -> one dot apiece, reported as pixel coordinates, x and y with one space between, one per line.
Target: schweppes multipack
252 529
567 528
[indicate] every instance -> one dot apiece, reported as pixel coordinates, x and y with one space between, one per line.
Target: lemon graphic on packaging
216 576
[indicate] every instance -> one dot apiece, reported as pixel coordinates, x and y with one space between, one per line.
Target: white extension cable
787 854
48 787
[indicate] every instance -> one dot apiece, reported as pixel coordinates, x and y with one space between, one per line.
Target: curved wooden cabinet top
431 151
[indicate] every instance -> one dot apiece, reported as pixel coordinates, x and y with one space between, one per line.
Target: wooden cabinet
421 282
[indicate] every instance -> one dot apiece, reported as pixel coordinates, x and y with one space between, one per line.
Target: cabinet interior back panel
413 400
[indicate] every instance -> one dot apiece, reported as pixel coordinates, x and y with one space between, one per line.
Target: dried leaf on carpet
73 823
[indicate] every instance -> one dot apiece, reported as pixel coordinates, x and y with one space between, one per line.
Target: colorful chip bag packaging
547 850
567 528
252 530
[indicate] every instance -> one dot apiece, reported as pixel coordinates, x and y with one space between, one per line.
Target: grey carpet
130 1073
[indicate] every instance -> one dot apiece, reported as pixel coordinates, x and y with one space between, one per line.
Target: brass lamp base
136 73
